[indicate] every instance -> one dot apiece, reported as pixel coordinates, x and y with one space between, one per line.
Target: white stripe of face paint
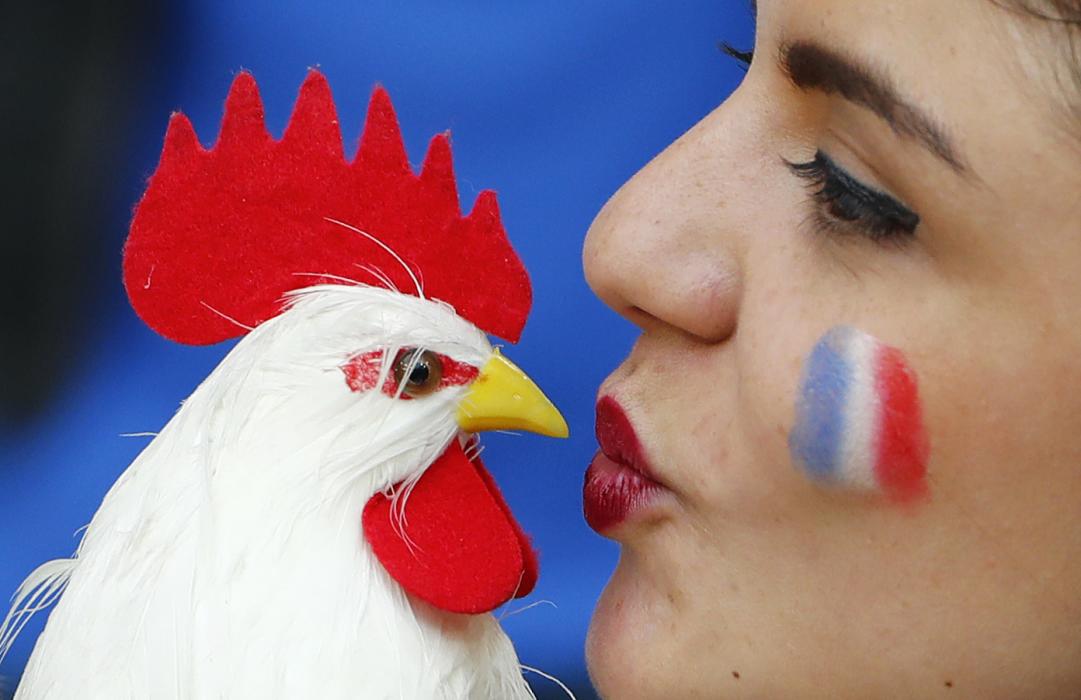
859 447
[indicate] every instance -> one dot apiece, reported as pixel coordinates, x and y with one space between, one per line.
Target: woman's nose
661 253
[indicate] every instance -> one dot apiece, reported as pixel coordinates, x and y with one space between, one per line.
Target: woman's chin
630 636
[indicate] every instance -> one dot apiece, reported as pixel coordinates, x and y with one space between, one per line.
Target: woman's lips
619 482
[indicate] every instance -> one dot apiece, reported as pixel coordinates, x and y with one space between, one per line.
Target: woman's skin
749 580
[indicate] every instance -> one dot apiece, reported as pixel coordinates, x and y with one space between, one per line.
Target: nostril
645 320
694 298
640 317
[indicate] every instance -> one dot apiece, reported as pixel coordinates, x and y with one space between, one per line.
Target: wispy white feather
388 249
40 590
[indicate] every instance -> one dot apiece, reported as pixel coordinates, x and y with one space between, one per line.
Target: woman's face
747 577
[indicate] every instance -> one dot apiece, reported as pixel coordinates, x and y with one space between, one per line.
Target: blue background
554 108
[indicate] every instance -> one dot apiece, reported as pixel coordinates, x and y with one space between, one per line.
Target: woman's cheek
859 418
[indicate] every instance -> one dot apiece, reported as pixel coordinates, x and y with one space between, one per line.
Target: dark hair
1064 18
1063 11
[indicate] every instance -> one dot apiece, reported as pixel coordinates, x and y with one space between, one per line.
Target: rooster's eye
417 371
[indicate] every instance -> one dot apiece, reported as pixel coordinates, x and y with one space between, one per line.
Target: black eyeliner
846 200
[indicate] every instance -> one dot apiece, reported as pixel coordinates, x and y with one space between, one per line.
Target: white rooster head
365 296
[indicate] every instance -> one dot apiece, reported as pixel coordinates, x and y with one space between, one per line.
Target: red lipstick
619 481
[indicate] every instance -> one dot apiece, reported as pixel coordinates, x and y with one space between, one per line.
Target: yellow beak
502 397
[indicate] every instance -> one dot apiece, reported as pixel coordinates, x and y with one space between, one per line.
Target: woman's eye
844 204
418 372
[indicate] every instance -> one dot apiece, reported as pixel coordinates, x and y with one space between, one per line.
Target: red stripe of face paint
903 446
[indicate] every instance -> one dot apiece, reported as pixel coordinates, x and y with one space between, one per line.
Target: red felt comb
222 234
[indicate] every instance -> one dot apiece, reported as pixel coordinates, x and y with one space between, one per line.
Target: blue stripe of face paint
815 441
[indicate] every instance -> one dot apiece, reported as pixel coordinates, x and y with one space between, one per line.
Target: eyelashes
846 205
742 57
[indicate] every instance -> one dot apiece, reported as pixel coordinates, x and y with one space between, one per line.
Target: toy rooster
314 522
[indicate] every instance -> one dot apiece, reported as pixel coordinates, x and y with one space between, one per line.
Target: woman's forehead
995 76
1023 51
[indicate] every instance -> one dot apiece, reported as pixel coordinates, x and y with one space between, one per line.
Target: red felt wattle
461 550
221 234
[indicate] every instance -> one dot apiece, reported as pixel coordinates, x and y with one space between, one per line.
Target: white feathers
553 679
228 560
40 590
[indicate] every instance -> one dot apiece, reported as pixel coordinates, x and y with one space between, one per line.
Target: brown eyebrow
813 67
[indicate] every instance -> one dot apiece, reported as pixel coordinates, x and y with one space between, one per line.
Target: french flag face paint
858 418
